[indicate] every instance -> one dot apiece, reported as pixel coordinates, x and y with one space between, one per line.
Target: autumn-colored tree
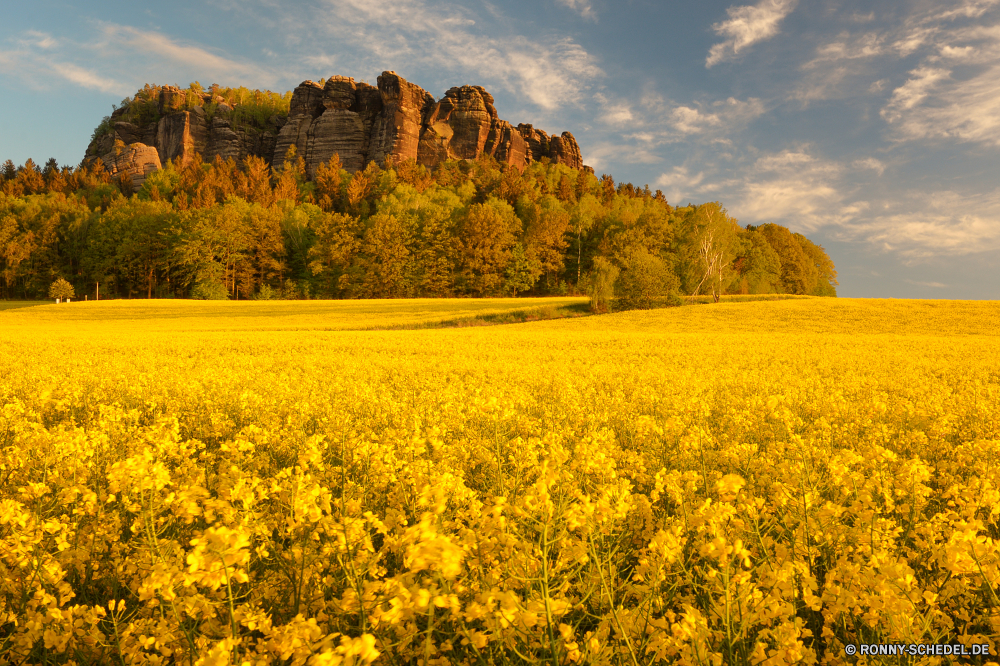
799 275
472 227
488 234
385 259
253 181
329 184
338 239
826 273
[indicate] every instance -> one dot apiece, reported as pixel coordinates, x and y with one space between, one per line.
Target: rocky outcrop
305 107
182 134
397 120
397 127
564 150
136 160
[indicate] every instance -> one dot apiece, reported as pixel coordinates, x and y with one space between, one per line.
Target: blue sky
871 127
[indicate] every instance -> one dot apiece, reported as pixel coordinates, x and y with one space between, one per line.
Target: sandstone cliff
359 122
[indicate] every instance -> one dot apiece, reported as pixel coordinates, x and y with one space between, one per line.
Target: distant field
272 482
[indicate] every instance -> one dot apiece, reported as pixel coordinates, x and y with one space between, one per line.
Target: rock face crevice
361 123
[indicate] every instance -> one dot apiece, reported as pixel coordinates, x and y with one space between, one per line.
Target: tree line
469 228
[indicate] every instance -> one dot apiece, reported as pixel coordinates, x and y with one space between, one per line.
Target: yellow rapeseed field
283 483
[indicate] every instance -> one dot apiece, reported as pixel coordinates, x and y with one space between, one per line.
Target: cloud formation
551 72
117 59
951 91
581 7
39 58
747 25
808 193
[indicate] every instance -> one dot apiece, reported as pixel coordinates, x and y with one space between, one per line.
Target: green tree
601 285
707 244
487 237
522 271
759 267
338 241
385 258
61 289
645 278
209 290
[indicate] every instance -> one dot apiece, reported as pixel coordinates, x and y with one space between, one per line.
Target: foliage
61 289
601 285
766 482
470 228
644 279
209 290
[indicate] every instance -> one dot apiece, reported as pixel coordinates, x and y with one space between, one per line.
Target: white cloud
807 193
795 187
940 35
118 59
680 184
603 153
748 25
869 163
933 105
165 49
662 121
933 285
550 73
582 7
40 69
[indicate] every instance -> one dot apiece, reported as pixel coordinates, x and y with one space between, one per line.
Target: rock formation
359 122
136 160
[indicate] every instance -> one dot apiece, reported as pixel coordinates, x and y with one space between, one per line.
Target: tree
706 248
385 257
601 285
826 274
488 234
645 279
759 267
209 290
522 271
61 289
798 274
338 239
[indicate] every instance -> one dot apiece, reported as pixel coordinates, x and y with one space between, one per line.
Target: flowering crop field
282 483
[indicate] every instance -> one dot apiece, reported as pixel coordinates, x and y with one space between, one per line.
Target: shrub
210 290
645 279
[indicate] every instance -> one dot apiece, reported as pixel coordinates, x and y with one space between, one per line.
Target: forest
469 228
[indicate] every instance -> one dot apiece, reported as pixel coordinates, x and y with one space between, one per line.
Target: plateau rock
359 122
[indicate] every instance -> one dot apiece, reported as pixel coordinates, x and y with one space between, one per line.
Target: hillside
345 190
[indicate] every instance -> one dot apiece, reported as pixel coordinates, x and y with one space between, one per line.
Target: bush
645 279
210 290
265 293
674 300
